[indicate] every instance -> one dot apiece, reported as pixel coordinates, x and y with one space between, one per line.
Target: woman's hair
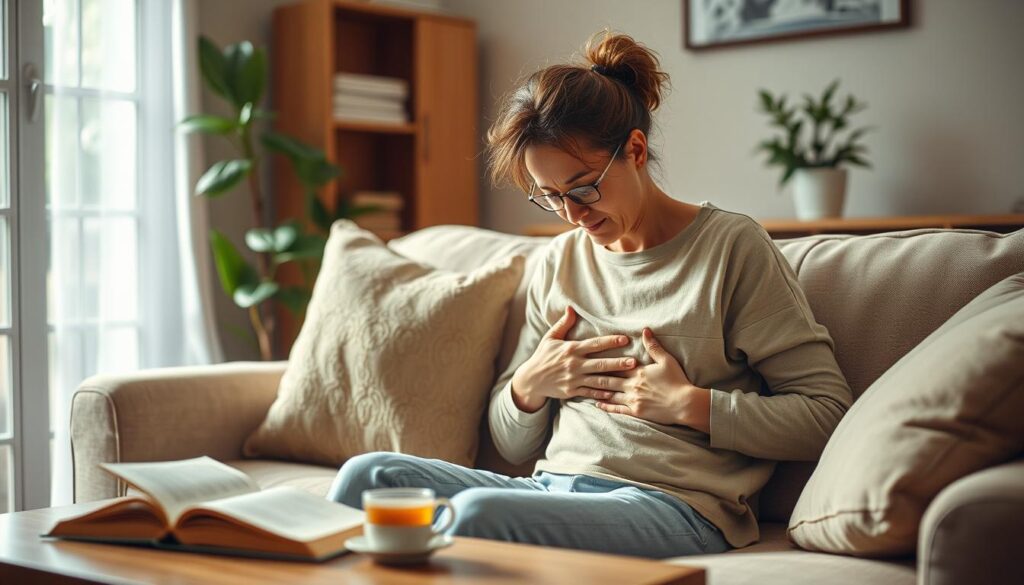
593 104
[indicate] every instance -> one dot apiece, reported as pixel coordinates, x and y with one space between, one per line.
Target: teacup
400 519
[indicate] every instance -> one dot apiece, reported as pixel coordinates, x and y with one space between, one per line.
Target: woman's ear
636 148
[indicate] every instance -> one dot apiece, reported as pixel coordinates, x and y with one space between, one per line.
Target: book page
124 519
288 512
176 485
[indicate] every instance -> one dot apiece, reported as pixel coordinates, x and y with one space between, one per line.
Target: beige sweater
722 299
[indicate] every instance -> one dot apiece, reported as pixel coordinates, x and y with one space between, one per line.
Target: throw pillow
948 408
393 356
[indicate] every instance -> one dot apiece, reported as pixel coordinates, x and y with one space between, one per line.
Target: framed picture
710 24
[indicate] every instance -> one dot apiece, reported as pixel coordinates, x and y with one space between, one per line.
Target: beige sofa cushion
879 296
948 408
393 356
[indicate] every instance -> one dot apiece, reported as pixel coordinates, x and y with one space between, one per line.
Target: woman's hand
560 369
660 392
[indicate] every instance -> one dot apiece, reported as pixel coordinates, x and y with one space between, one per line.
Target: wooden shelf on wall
792 228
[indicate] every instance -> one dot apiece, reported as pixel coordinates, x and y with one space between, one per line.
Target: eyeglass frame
562 197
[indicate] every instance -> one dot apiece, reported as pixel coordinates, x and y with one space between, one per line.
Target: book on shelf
385 200
371 85
202 505
346 100
367 115
385 221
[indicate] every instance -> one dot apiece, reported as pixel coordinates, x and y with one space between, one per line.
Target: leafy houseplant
238 73
815 160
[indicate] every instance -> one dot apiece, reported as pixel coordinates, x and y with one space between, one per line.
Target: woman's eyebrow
570 179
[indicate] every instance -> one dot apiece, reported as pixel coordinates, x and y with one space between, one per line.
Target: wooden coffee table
27 558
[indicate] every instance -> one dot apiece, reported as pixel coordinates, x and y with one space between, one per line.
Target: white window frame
27 221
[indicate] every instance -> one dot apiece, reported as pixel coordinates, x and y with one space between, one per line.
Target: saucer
359 544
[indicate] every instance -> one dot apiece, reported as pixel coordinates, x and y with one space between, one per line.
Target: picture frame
713 24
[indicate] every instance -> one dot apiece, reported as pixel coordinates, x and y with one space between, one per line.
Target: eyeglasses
582 195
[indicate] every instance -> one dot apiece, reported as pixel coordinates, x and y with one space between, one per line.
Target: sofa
879 295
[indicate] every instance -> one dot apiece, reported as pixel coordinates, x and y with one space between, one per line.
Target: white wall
945 96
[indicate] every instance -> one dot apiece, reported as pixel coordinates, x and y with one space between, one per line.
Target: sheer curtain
128 260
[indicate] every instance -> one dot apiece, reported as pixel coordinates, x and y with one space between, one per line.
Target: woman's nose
574 211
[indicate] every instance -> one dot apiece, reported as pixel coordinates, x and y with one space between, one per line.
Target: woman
669 351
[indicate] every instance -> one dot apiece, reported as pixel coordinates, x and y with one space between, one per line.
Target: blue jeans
571 511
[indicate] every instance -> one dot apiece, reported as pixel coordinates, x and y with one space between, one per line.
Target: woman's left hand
660 392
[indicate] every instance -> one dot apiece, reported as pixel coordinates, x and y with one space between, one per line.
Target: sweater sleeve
769 324
518 435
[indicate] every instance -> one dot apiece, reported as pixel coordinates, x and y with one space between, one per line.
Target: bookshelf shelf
375 127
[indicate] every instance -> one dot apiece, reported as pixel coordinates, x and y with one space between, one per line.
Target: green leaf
289 146
207 124
232 269
294 298
829 92
245 114
251 294
222 177
251 79
284 236
235 58
305 246
786 175
259 240
857 160
766 100
317 211
213 67
264 240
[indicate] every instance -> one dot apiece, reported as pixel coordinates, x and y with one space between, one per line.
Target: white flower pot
819 193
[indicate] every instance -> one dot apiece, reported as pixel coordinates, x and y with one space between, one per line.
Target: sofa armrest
973 531
165 414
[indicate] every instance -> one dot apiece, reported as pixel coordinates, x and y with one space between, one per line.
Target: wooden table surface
26 558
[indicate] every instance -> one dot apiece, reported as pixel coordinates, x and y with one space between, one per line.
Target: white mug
400 519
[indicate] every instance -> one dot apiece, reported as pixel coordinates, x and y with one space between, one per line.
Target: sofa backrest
878 295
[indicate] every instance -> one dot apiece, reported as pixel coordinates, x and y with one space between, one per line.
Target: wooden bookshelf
431 160
792 228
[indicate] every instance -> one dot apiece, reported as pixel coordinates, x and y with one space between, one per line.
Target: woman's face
619 209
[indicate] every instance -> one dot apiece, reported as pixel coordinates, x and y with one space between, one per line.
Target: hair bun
625 75
620 57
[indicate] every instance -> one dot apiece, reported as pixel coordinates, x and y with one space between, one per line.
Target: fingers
654 348
561 327
614 408
605 342
605 383
596 394
597 366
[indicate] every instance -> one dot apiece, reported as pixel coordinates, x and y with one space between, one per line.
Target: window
93 207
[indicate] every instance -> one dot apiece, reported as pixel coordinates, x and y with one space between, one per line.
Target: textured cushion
393 356
948 408
464 248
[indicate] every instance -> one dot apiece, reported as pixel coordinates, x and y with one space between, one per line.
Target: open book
206 506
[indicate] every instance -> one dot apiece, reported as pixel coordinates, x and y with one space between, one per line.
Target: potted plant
238 74
815 165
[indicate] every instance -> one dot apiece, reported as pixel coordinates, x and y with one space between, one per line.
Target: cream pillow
948 408
393 356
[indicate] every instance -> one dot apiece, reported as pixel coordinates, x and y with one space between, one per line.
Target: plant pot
819 192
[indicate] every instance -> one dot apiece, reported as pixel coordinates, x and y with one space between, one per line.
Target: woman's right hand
560 369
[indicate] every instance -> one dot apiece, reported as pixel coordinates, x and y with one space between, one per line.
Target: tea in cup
400 519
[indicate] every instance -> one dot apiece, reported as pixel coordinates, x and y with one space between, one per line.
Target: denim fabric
571 511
